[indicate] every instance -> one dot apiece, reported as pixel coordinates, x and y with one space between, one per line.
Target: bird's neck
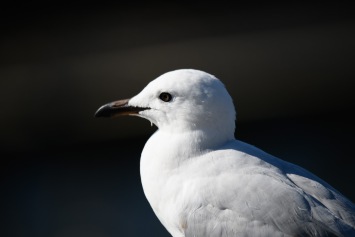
170 150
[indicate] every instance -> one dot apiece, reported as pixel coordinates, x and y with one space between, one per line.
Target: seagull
202 182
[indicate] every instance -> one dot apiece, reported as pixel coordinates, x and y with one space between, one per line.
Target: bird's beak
117 108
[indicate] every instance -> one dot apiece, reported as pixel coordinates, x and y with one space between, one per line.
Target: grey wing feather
286 201
330 206
303 216
268 197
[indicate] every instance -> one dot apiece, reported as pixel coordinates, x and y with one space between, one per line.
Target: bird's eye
166 97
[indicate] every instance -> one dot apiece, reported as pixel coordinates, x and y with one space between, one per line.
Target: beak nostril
119 103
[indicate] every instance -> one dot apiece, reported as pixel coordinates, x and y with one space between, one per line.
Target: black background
289 68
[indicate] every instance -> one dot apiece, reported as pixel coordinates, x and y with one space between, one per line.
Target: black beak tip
97 114
103 111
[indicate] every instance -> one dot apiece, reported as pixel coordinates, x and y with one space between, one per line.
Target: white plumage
201 182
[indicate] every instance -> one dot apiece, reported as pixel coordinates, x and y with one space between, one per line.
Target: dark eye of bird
166 97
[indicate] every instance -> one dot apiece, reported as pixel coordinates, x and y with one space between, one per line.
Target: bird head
179 101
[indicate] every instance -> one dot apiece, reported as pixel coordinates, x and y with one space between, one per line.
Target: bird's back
240 190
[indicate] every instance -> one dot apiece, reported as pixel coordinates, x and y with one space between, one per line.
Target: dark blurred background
289 68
